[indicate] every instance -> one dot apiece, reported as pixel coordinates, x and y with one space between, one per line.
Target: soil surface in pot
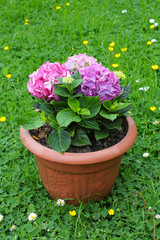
41 135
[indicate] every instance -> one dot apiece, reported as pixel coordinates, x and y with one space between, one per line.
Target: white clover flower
157 216
32 216
60 202
13 227
153 40
145 154
138 80
155 122
124 11
151 20
144 88
1 217
156 24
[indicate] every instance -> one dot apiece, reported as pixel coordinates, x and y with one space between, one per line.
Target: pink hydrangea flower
77 61
41 81
98 80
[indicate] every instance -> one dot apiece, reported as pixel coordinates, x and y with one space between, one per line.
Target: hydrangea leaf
31 120
107 104
89 123
107 115
60 105
93 104
66 116
84 111
80 139
75 83
61 91
102 133
120 106
117 123
73 104
59 140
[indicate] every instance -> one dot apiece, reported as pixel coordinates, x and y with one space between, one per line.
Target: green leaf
117 123
84 111
107 115
107 104
60 105
89 123
61 91
52 121
47 108
114 105
66 116
59 140
76 76
121 106
123 110
44 119
73 104
93 104
80 139
102 133
31 120
75 83
30 209
71 131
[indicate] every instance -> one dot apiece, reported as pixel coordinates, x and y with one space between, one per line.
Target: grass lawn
35 31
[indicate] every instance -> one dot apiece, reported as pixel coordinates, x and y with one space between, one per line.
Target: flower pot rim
81 158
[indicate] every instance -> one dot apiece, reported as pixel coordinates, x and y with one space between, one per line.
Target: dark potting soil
41 135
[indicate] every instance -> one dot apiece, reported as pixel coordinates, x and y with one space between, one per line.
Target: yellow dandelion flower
6 48
124 49
27 20
9 75
2 119
26 23
155 67
149 42
72 213
117 55
58 7
152 26
112 44
152 108
129 112
67 4
110 48
115 65
159 108
85 42
111 212
72 48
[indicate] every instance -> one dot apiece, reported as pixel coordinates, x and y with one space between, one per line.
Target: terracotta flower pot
80 175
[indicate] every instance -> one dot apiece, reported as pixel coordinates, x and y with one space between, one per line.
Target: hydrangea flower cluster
77 61
97 80
41 81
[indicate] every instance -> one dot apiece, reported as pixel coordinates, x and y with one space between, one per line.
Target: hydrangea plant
78 97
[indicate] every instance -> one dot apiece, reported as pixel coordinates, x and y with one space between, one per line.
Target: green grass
51 36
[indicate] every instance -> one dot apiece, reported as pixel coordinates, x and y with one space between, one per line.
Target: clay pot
80 175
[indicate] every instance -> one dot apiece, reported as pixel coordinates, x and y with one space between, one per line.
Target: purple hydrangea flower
98 80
